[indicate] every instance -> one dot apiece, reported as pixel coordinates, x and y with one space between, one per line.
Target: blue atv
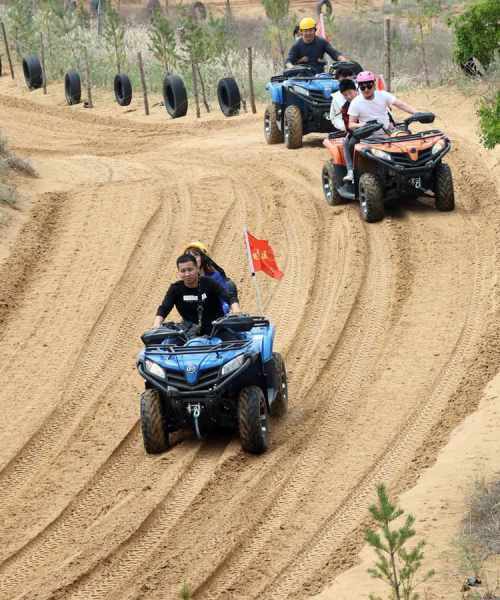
300 103
230 379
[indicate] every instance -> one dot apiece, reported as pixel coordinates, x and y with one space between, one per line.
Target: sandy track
384 329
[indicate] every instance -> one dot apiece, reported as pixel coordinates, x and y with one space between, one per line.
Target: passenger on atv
196 298
309 49
209 268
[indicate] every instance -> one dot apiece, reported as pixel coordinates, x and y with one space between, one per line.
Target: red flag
321 29
262 257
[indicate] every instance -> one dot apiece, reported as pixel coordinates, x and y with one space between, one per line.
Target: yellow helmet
198 245
307 23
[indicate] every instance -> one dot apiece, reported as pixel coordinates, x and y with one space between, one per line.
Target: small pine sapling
185 593
114 35
162 41
396 565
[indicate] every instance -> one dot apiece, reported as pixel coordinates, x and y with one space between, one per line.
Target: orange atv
395 164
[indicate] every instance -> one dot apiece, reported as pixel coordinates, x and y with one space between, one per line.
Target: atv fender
276 93
272 382
267 344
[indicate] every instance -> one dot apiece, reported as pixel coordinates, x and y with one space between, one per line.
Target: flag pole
252 272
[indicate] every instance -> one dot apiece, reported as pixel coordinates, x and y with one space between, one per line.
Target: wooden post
7 49
90 104
202 86
42 53
143 82
195 89
250 81
387 53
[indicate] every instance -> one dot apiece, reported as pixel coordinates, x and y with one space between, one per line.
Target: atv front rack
402 138
204 349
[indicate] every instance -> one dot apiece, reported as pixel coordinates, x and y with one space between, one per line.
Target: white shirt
374 109
338 102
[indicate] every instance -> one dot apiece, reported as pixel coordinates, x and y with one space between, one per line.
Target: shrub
477 32
489 121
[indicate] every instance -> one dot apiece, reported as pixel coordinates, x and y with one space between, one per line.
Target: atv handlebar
366 130
354 66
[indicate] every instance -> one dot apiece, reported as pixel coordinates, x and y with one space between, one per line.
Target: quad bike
230 379
300 104
397 164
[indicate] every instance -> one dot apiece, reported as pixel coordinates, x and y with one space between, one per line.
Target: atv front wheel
154 433
371 198
330 184
272 133
444 194
293 127
253 420
280 405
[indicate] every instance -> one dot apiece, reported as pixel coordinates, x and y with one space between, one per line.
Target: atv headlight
438 146
381 154
155 369
232 365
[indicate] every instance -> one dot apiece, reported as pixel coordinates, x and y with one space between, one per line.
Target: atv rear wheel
280 405
371 198
154 432
253 420
330 184
272 132
293 127
444 194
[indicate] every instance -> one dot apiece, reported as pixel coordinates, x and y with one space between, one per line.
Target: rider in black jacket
196 298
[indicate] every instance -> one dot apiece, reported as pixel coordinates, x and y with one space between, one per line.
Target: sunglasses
366 86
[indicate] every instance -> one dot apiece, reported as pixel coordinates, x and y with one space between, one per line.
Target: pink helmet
365 76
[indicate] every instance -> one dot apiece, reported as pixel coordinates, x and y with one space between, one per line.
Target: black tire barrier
325 7
228 94
73 87
1 72
473 68
199 11
175 96
33 74
123 89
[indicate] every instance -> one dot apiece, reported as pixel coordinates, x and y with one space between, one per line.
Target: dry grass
478 547
483 521
9 161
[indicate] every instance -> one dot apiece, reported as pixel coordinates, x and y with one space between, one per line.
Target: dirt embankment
390 333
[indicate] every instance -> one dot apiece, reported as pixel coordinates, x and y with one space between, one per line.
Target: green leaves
114 35
477 32
162 41
276 10
396 565
489 120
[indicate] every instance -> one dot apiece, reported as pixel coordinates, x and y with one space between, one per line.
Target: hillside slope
390 332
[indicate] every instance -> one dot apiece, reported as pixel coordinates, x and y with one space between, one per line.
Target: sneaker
349 177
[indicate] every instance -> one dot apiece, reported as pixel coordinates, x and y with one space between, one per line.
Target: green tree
197 47
489 120
477 32
114 35
277 11
162 41
396 566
